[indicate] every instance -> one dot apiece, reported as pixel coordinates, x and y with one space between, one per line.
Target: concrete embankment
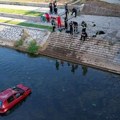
96 53
9 34
101 8
102 52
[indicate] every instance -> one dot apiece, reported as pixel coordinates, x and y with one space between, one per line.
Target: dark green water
59 90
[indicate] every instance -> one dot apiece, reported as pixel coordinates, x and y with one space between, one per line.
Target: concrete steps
67 43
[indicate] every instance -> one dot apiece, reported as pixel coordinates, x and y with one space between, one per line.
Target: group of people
53 7
73 29
57 21
72 26
74 11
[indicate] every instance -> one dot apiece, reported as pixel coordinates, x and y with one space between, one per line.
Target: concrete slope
101 8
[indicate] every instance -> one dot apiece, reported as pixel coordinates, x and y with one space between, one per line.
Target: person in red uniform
59 22
47 17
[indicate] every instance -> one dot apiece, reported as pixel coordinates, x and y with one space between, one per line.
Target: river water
60 90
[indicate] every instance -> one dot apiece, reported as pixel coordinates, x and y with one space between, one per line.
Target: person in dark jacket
55 7
74 11
56 10
50 7
66 23
71 28
75 25
53 25
83 36
84 24
66 11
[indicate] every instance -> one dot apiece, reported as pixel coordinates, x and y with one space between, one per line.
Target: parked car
12 96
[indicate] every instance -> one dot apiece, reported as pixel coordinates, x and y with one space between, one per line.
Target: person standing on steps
66 11
53 25
84 26
75 25
71 28
66 23
83 36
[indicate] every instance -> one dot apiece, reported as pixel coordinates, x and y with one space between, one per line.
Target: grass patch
21 12
26 24
33 47
18 43
35 25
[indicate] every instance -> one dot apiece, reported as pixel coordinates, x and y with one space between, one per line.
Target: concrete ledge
72 60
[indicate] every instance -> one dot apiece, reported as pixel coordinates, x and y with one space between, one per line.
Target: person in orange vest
59 22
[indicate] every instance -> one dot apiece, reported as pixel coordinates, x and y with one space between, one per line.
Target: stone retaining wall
12 33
